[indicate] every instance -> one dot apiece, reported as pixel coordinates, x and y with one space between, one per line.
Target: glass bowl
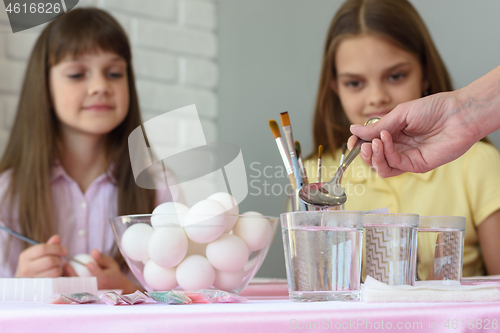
154 248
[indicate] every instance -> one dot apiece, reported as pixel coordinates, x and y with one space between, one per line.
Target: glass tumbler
440 250
323 254
391 243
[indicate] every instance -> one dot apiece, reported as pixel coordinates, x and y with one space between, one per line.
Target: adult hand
419 135
108 273
42 260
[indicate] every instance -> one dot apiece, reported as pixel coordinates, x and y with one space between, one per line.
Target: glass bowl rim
176 214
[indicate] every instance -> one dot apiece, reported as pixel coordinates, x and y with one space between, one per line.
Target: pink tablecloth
256 315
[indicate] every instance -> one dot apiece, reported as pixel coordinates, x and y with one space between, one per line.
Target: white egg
168 246
255 230
170 213
159 278
135 241
205 221
80 269
231 206
194 273
228 280
196 248
228 253
252 213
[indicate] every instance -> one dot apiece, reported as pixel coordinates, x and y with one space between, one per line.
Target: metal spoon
330 193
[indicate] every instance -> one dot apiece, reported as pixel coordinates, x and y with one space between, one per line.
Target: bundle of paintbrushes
292 157
290 154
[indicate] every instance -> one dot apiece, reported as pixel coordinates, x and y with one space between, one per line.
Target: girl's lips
99 107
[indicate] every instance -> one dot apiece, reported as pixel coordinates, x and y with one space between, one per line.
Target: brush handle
319 170
286 161
18 235
284 155
296 172
32 241
293 158
298 178
303 171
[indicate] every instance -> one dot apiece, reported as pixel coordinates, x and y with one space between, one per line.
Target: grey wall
269 62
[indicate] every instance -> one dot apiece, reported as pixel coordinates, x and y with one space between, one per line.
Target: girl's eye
354 84
396 77
115 75
75 76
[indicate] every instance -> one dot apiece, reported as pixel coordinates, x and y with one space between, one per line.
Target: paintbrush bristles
344 148
274 128
285 119
320 151
297 147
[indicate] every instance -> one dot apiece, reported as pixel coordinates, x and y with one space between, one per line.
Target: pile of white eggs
199 247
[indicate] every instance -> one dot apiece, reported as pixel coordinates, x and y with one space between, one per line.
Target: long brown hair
399 23
34 139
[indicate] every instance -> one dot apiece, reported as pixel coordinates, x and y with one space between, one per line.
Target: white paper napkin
374 291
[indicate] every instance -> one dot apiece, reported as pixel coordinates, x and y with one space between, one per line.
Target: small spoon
330 193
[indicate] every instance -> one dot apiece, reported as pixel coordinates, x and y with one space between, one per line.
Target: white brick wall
162 10
158 96
173 38
198 72
174 45
199 14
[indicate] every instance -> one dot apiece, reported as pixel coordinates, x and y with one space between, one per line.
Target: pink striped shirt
82 219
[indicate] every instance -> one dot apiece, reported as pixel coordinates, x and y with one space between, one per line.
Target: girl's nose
98 85
379 96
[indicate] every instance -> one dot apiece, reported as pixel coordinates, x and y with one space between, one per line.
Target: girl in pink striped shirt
66 168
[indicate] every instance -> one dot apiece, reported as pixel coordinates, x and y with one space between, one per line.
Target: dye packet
79 298
136 298
198 297
112 298
220 296
170 297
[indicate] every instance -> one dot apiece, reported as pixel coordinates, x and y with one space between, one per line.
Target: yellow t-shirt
468 186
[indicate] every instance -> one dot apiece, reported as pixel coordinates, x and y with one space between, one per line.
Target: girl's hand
68 270
42 260
108 273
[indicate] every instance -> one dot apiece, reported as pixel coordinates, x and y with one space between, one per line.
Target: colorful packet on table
197 296
80 298
112 298
205 296
170 297
136 298
220 296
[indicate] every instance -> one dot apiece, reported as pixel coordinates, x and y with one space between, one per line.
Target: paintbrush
320 156
303 172
32 241
282 149
287 129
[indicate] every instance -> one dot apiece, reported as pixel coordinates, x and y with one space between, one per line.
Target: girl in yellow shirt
378 54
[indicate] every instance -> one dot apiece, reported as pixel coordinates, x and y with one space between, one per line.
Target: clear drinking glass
323 254
440 250
391 243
